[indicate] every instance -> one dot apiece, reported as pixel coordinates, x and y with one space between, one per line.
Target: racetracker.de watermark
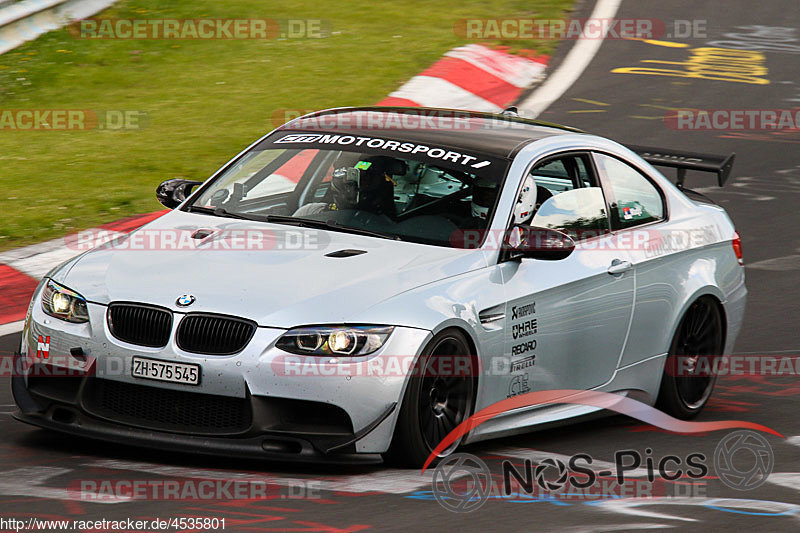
651 242
408 120
116 490
584 28
200 29
72 119
733 119
733 365
194 240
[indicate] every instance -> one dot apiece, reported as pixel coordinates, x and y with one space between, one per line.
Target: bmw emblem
185 301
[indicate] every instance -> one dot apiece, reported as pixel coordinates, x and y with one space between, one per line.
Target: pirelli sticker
378 144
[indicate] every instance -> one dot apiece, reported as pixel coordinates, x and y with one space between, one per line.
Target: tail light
737 247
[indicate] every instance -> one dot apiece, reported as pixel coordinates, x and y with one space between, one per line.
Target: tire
687 383
437 399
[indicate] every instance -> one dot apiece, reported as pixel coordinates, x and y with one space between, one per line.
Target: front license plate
185 373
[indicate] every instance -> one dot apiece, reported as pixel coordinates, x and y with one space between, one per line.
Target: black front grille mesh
214 334
140 324
166 409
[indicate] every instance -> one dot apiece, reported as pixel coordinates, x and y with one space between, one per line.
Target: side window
553 176
636 200
569 197
580 213
583 173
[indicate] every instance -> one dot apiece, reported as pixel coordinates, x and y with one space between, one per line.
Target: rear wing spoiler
683 161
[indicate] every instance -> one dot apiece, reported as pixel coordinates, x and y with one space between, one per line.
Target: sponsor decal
518 385
43 347
524 329
378 143
630 212
522 311
522 364
519 349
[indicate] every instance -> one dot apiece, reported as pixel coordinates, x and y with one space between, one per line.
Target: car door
566 321
638 214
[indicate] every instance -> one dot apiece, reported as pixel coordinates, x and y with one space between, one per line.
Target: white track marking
635 506
29 251
37 259
38 265
778 264
615 527
789 480
29 482
578 58
389 481
13 327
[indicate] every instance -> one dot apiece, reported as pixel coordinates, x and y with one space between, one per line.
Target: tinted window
569 197
636 200
553 176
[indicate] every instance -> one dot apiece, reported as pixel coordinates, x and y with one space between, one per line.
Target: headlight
334 340
64 304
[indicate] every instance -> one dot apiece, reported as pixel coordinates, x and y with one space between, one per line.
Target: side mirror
172 193
537 243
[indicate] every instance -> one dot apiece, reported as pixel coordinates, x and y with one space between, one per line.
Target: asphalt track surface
38 468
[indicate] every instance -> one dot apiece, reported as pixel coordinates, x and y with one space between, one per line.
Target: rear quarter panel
694 257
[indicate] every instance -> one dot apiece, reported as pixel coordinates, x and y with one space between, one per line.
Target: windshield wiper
329 225
222 212
293 221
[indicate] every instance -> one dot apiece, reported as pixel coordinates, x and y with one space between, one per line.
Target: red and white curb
22 268
472 77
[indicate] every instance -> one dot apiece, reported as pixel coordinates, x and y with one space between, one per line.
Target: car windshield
401 190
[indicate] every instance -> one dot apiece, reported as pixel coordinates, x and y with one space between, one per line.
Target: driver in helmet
368 186
526 202
484 194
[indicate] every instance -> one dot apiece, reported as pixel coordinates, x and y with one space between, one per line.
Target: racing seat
542 195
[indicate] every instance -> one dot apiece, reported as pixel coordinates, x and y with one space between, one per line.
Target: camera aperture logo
744 448
461 483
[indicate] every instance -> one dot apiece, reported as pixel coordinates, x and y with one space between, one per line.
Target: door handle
619 267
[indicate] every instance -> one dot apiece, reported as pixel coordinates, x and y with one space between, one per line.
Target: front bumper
297 408
261 445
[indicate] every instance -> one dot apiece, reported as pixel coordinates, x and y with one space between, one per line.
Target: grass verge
204 100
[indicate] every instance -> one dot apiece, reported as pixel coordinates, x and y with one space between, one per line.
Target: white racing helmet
484 193
526 203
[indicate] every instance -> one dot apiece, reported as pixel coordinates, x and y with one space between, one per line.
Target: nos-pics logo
462 482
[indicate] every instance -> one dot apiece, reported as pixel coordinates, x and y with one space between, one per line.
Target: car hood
275 287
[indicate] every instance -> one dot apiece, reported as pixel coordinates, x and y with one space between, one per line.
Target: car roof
490 133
